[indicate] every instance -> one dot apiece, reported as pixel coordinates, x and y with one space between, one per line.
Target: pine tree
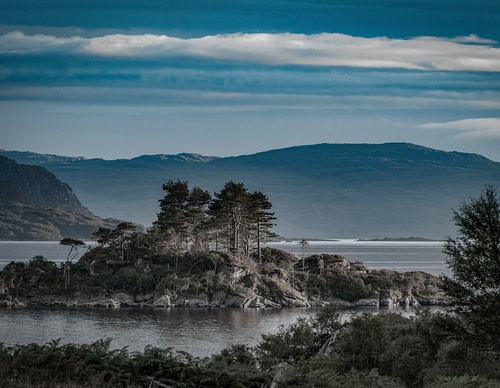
262 218
230 209
172 220
197 207
474 259
120 236
74 244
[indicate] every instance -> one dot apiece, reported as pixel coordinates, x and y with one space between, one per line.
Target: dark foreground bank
384 350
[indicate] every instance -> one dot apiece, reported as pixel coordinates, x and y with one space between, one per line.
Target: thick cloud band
469 53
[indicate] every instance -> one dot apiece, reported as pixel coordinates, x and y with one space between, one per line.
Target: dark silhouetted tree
262 219
197 217
230 209
120 236
74 244
102 236
474 259
172 219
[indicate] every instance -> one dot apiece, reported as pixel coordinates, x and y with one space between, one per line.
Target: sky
119 79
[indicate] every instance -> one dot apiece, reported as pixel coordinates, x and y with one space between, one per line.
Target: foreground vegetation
385 349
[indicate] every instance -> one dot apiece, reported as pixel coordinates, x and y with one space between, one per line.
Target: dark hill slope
35 205
317 191
36 186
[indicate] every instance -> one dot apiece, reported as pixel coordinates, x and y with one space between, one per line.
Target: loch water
404 256
199 331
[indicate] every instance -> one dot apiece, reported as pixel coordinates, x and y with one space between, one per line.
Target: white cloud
18 43
472 39
470 128
119 45
421 53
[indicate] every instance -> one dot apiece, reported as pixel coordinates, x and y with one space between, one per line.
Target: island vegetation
456 347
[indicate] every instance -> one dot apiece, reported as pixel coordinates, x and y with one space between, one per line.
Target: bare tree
303 245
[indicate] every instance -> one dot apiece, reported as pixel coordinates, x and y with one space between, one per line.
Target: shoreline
123 300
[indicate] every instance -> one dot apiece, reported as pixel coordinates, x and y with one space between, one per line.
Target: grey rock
235 301
367 302
162 301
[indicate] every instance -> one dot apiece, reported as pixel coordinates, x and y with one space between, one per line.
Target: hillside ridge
37 186
42 158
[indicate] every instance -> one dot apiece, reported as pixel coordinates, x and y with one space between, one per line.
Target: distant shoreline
402 239
385 239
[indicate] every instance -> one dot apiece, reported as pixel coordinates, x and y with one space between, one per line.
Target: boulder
294 302
201 300
256 302
124 299
8 301
162 301
235 301
218 298
139 298
109 303
367 302
388 302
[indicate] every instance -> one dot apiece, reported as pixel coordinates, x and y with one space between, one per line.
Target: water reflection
198 331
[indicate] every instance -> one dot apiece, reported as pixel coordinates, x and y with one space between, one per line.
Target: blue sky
119 79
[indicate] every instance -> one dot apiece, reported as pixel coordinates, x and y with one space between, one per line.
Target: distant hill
35 185
317 191
36 205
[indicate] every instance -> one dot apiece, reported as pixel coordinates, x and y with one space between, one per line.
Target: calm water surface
426 256
400 256
198 331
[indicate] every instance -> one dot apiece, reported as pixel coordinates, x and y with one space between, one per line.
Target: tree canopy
73 243
234 219
474 259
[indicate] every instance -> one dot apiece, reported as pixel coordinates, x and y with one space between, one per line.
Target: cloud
470 128
470 53
17 42
387 103
472 39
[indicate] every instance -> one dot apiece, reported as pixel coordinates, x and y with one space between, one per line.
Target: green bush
299 341
362 344
347 286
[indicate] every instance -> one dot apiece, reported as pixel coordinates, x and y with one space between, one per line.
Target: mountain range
322 191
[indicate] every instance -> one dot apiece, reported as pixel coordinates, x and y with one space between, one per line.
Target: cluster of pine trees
234 219
191 220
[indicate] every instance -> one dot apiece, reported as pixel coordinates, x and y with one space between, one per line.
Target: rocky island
215 279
